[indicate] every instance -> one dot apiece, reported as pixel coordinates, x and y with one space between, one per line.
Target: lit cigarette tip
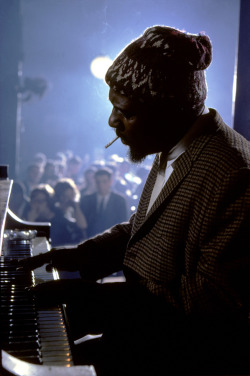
111 142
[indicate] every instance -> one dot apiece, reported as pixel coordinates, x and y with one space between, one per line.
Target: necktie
101 206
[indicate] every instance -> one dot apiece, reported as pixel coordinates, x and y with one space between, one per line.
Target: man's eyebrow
118 107
124 105
126 110
121 106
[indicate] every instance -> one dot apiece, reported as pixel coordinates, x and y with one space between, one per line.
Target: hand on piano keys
56 292
59 258
33 262
64 291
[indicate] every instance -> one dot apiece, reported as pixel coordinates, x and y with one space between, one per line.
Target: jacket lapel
179 172
145 196
182 166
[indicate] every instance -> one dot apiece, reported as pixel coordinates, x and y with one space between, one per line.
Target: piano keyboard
38 336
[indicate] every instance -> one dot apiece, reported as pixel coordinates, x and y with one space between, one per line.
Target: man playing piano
185 253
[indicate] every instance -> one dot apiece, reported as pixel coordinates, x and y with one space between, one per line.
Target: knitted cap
164 63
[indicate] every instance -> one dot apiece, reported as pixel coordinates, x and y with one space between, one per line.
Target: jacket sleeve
103 254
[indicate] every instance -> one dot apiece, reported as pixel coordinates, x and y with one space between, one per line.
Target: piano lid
13 222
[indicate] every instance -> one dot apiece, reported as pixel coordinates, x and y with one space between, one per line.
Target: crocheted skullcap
164 63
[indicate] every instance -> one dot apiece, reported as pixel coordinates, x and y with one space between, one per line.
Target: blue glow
60 39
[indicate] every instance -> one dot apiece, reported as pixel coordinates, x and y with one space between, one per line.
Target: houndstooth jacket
193 247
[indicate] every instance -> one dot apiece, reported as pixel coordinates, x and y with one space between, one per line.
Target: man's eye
128 115
125 114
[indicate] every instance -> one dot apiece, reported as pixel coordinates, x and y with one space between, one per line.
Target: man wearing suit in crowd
104 208
185 253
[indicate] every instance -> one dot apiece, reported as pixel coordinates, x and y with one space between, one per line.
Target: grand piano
34 341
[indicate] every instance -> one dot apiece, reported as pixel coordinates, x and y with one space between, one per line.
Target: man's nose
114 120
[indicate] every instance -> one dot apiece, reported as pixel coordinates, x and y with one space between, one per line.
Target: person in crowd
18 199
60 157
32 176
61 162
67 200
89 185
41 204
184 307
104 208
40 158
74 166
50 174
61 169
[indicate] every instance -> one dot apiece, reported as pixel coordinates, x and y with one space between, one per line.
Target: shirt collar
183 144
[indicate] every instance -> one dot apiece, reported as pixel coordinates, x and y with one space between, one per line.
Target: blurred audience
89 185
122 184
40 159
140 177
74 172
32 176
60 191
50 174
61 161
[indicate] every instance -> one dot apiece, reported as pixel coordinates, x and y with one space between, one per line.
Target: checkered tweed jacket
193 247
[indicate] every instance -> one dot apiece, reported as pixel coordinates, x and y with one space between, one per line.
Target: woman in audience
42 209
67 197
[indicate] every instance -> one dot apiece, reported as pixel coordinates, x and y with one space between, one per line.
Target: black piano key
23 345
33 337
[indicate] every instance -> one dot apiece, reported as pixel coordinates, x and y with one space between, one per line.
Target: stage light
99 66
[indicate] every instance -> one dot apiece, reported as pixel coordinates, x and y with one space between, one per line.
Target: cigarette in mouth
111 142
